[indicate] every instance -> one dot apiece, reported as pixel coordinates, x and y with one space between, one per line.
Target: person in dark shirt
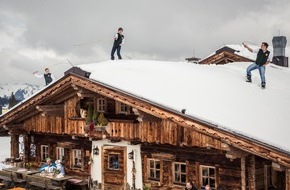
48 77
264 57
118 42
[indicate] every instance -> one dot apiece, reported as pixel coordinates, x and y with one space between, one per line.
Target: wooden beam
243 173
74 86
53 113
252 173
266 177
14 146
287 178
82 95
277 167
48 108
26 115
67 89
66 97
13 126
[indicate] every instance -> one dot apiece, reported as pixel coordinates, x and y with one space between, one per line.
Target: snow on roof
213 93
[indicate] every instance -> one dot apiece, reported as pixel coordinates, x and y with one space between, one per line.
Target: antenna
193 51
70 62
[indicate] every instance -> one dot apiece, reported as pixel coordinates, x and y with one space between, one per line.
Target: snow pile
214 93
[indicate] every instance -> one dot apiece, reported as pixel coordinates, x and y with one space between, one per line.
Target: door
114 167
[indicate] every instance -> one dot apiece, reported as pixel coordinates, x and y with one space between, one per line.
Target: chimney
78 71
279 45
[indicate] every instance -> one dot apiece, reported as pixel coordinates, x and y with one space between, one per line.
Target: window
77 158
179 173
123 108
59 153
207 176
154 169
101 104
113 161
44 152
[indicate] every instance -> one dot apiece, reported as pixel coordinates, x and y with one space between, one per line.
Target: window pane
176 166
113 162
157 174
211 172
151 164
212 182
157 164
183 168
183 178
177 177
152 173
204 171
204 181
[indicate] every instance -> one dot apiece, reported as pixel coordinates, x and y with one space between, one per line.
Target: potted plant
95 120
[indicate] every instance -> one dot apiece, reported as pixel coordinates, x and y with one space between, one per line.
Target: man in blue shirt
48 166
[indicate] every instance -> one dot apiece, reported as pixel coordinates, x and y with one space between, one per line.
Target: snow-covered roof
213 93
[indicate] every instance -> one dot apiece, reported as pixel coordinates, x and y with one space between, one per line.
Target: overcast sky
35 34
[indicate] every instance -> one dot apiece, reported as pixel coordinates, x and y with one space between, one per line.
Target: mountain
21 91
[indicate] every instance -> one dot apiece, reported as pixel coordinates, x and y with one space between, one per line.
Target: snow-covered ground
214 93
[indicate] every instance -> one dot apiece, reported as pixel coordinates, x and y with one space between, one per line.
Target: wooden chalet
225 55
142 144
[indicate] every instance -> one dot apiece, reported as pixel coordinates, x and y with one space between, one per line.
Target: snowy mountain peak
21 91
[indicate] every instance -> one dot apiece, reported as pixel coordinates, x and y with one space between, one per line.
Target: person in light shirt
264 57
59 167
48 77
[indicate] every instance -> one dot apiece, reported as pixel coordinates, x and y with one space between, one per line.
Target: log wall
163 132
228 173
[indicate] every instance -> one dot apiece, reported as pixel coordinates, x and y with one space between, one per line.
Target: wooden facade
175 148
224 55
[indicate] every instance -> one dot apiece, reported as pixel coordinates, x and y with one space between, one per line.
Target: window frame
75 155
60 153
44 155
180 173
123 106
155 169
101 105
109 160
207 177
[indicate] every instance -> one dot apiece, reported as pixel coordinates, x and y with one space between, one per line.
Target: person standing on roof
264 57
48 77
118 42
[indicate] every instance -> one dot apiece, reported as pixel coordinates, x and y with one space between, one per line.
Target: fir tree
12 101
